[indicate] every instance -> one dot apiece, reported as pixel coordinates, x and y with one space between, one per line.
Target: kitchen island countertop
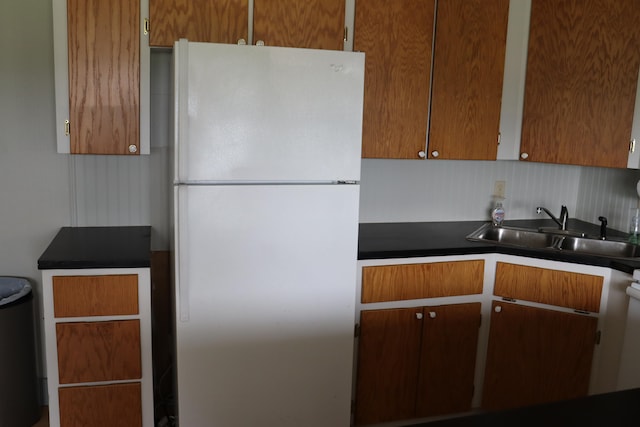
98 247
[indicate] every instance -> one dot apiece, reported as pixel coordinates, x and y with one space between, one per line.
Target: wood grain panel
561 288
314 24
448 359
397 39
98 351
104 75
101 406
582 72
414 281
468 71
76 296
388 357
536 356
215 21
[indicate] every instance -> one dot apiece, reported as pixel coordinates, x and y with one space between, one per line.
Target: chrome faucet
564 216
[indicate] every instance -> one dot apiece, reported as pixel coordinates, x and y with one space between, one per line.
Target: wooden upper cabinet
216 21
580 88
396 37
104 76
314 24
468 71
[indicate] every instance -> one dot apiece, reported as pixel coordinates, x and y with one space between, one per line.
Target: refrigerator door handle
181 115
182 272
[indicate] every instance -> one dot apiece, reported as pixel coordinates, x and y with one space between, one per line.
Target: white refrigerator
266 194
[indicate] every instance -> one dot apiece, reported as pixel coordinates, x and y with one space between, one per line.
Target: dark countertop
608 409
98 247
419 239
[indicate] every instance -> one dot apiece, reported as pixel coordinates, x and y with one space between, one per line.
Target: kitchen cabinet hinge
499 137
145 28
356 330
508 299
581 311
632 145
346 34
598 337
480 321
67 127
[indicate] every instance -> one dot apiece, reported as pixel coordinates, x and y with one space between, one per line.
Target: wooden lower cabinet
101 406
536 355
98 345
416 362
98 351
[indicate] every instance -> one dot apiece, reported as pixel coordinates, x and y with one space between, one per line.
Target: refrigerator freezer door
267 278
257 113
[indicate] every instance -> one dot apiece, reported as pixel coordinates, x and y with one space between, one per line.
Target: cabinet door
98 351
428 280
536 355
388 358
554 287
582 72
215 21
314 24
104 76
448 359
104 295
468 68
101 406
397 39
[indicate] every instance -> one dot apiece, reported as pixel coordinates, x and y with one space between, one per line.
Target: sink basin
554 240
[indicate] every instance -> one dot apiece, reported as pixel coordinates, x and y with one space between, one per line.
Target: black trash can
19 405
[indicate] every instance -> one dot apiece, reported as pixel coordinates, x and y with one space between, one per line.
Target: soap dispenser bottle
497 214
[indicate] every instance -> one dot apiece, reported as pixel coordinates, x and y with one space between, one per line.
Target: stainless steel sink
554 240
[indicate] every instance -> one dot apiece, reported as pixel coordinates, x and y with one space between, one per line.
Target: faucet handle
603 227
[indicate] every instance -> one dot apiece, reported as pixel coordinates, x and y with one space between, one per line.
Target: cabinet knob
524 155
432 314
260 43
419 316
435 153
498 309
242 42
422 154
133 148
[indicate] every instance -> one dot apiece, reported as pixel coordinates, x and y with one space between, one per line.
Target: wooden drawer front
561 288
77 296
101 406
98 351
414 281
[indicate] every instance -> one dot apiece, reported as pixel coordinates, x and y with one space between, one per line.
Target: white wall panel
34 179
111 190
610 193
440 190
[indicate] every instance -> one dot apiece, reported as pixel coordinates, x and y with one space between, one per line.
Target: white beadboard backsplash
121 190
449 190
610 193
